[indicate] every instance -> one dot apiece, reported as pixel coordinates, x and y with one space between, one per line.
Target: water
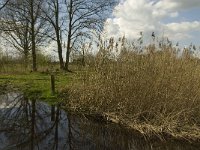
33 125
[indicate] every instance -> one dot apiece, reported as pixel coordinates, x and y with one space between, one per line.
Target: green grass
37 83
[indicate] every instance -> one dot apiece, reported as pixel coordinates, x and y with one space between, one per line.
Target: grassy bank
35 83
155 92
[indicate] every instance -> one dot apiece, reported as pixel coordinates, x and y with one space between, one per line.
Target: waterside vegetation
154 91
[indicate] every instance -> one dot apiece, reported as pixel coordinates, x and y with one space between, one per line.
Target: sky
179 20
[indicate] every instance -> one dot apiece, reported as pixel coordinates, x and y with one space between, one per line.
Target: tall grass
153 92
11 64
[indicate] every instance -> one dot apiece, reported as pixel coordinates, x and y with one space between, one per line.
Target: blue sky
178 20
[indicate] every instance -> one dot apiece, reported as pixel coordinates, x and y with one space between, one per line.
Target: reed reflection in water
28 124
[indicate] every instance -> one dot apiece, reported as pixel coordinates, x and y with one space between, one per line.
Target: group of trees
29 24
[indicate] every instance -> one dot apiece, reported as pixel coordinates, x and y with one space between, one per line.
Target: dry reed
153 92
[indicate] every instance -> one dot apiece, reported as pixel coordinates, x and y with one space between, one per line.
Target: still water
33 125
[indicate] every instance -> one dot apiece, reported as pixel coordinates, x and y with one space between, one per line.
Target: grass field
36 83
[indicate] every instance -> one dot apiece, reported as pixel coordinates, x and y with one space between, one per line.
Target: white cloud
174 14
187 4
183 26
131 17
176 5
134 16
181 31
166 5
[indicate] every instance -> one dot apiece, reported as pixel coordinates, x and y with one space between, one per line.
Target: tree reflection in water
27 124
33 125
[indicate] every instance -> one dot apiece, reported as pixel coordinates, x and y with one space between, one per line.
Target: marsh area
31 124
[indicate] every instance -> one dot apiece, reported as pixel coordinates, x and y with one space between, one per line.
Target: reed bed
154 92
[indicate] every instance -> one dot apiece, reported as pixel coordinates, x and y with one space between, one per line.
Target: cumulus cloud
183 26
186 4
131 17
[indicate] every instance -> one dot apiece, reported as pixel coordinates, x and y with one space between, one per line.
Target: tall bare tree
53 16
83 17
16 28
24 27
34 9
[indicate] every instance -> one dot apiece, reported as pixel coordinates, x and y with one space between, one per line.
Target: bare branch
4 4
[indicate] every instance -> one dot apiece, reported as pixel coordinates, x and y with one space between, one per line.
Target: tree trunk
34 52
83 58
59 50
25 60
58 36
34 61
69 37
68 54
26 45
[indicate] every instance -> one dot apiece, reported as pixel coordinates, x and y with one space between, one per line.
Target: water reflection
32 125
28 124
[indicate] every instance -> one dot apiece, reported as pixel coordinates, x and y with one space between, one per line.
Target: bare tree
16 29
28 29
52 15
83 17
24 28
34 11
36 25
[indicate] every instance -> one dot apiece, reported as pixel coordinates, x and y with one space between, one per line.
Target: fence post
52 84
